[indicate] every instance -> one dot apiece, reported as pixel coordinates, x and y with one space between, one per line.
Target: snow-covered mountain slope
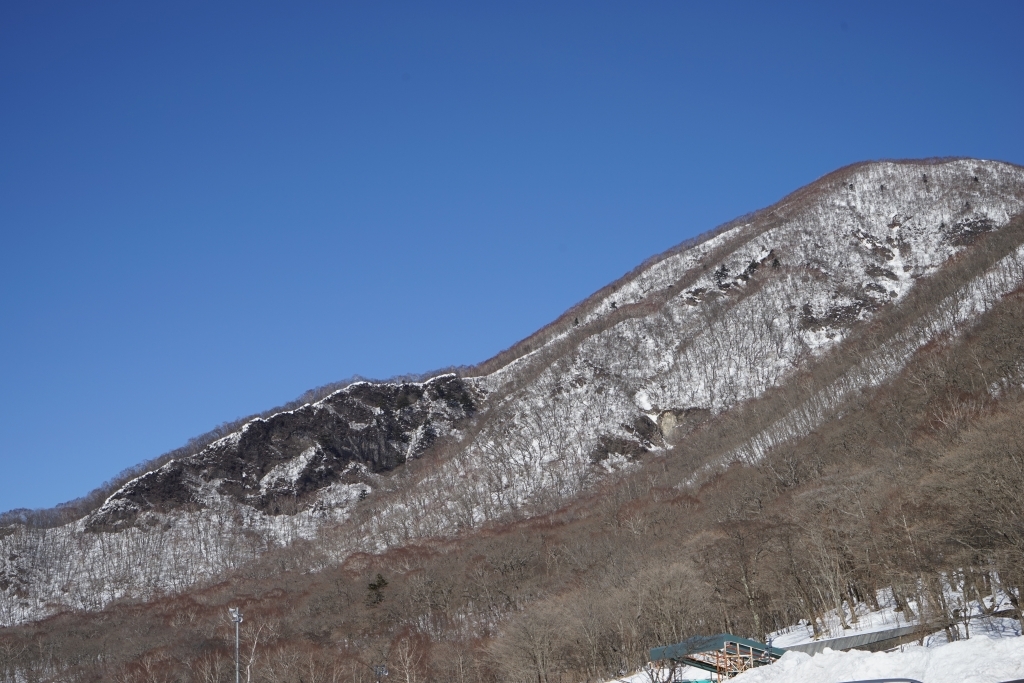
707 328
635 368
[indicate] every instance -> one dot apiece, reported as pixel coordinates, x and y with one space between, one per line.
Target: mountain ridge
637 368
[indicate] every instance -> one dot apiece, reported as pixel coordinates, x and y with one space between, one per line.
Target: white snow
978 660
288 472
975 618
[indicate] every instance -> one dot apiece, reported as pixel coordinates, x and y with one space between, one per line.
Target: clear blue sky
208 208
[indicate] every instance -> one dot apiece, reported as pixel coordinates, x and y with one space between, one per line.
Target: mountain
689 335
729 351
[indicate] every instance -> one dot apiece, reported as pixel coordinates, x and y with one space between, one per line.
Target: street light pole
236 616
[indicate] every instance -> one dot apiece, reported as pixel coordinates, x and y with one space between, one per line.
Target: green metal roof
698 644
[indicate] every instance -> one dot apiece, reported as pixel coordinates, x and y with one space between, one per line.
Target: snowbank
978 660
887 618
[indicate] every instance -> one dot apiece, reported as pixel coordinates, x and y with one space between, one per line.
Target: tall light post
236 616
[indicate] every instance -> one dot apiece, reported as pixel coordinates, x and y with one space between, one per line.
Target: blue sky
208 208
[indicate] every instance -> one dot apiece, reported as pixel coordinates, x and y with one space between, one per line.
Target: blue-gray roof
698 644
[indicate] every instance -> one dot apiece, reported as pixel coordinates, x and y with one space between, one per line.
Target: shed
724 655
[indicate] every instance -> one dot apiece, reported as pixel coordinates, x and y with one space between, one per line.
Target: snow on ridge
662 274
872 194
113 499
234 438
902 207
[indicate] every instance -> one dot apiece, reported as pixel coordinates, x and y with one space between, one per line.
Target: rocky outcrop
277 465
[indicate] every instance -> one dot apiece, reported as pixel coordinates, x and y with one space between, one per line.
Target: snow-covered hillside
693 334
725 321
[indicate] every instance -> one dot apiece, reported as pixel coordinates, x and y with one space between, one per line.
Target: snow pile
978 660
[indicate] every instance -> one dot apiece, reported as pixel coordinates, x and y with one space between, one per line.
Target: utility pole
236 616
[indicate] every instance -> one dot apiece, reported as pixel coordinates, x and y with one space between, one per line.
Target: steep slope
708 328
318 454
637 368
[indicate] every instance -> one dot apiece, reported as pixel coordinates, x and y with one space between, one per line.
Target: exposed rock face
277 465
